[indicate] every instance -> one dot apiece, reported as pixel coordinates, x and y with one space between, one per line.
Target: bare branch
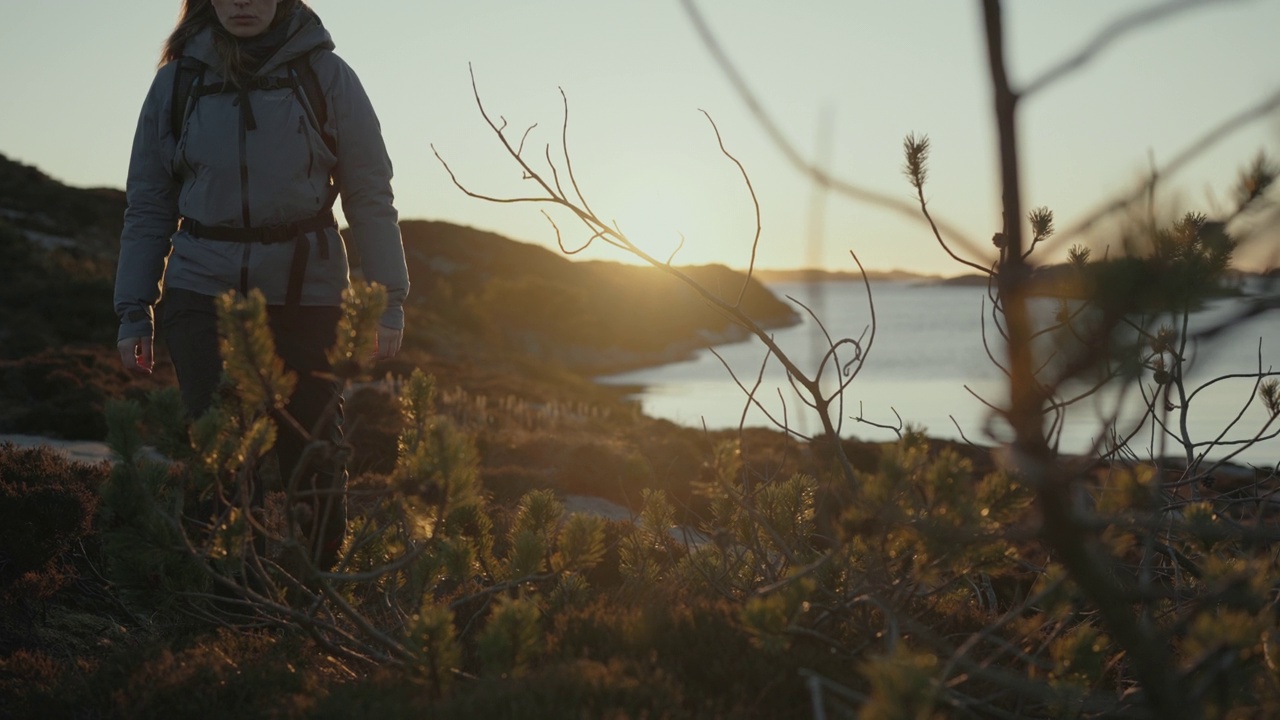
1117 29
755 202
789 150
895 429
1201 144
680 246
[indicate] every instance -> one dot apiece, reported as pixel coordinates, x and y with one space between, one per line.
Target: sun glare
682 224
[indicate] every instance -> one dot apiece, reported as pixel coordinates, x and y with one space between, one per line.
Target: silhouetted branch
614 236
895 429
755 240
917 151
1117 29
1207 140
789 150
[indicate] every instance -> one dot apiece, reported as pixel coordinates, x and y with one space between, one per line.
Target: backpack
188 83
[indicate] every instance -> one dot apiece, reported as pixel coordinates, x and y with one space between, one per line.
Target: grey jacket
220 172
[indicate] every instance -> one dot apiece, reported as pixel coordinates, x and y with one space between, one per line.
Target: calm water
927 349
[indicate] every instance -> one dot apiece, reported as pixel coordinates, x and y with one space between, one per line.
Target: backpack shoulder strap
308 82
306 78
188 72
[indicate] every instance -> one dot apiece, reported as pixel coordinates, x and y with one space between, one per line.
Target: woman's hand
136 354
389 340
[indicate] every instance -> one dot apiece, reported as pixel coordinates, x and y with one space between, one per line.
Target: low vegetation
760 573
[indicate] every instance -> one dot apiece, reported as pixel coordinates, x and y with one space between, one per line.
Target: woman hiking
251 129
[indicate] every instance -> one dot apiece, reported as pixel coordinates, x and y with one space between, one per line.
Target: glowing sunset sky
73 74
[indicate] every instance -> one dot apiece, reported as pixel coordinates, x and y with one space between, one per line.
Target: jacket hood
304 33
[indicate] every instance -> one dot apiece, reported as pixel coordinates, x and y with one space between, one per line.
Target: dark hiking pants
188 324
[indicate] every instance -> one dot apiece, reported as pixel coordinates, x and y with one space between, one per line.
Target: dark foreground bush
47 505
215 674
60 392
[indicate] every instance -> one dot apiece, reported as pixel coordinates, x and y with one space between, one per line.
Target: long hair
197 15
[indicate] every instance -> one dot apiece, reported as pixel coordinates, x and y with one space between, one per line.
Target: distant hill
58 246
57 215
815 275
591 316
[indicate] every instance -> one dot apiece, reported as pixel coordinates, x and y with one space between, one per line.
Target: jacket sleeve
364 174
152 214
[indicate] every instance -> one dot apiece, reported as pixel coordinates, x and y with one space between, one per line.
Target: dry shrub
47 506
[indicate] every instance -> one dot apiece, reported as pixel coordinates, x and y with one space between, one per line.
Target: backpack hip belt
267 235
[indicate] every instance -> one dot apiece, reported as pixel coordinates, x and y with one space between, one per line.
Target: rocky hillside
56 215
479 301
592 317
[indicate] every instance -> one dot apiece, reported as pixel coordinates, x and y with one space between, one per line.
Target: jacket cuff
392 317
141 328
